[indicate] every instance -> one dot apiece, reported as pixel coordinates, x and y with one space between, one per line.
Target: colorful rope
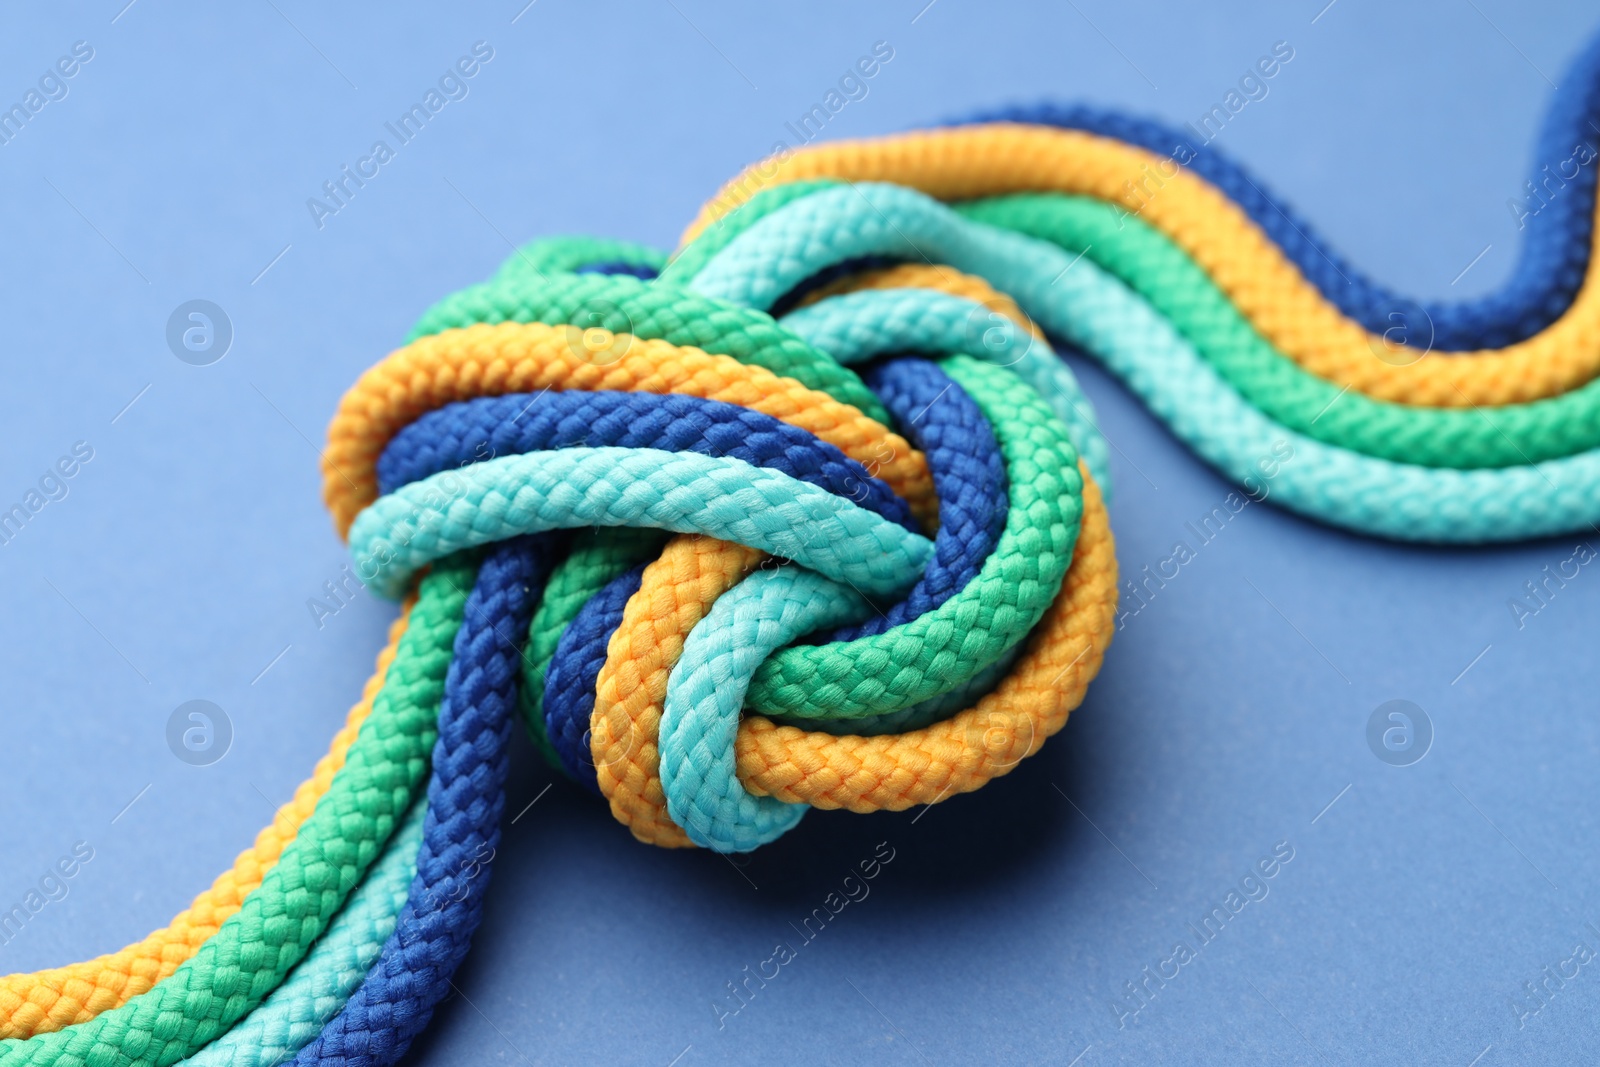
48 1000
1551 262
462 831
972 162
645 503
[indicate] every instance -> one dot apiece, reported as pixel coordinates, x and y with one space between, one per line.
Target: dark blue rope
466 795
969 475
571 682
636 270
824 277
1551 263
474 430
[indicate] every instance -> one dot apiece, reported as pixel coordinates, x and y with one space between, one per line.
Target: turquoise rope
1074 299
706 691
855 327
398 534
316 990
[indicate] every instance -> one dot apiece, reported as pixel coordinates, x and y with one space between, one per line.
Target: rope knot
825 534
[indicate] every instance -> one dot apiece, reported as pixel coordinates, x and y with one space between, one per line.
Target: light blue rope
316 990
398 534
855 327
706 691
1074 299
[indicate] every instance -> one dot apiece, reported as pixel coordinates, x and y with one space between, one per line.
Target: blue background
178 167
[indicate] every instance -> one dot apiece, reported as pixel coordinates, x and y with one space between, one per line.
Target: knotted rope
810 514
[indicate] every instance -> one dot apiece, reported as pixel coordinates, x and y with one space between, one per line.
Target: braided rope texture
465 797
48 1000
320 985
811 513
971 162
254 949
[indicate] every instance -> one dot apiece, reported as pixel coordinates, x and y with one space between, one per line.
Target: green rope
1151 264
555 255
